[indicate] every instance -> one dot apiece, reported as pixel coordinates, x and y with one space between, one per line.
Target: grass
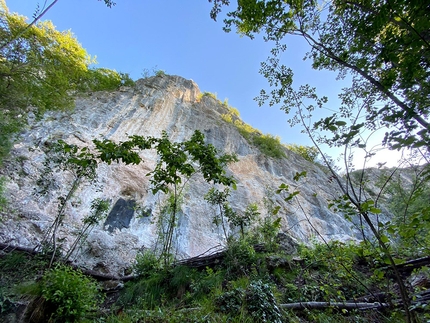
246 286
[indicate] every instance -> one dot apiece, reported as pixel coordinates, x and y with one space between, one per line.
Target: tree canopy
383 44
41 69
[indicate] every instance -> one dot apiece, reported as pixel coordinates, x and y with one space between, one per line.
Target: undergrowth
248 283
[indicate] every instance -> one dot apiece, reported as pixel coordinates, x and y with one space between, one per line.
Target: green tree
177 162
81 164
42 69
220 198
384 46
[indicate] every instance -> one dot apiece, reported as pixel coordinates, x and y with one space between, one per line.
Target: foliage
307 152
261 303
40 60
230 301
209 95
232 111
42 69
109 3
176 164
99 209
240 258
11 278
69 292
267 231
103 79
244 219
382 44
220 198
147 264
160 73
407 193
246 286
269 145
82 165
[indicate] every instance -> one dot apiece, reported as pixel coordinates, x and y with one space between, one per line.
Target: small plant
244 219
230 301
307 152
71 293
64 295
78 162
261 303
147 263
240 258
3 201
210 94
160 73
99 209
269 145
220 198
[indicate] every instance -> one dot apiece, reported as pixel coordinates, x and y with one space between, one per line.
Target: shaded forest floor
245 283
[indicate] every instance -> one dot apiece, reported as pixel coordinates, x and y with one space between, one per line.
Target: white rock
168 103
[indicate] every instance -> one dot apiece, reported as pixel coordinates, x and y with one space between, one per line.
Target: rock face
175 105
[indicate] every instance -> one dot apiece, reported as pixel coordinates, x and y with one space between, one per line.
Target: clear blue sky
180 38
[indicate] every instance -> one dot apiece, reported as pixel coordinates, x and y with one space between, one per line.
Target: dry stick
340 305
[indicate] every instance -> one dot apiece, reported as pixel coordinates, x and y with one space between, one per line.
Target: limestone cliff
155 104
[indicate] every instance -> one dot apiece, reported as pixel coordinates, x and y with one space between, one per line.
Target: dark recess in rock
121 215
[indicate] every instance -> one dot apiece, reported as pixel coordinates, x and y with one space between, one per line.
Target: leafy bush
240 258
230 301
147 264
269 145
104 79
146 292
210 94
69 293
234 111
307 152
160 73
261 303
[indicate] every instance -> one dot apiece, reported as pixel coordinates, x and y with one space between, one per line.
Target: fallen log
339 305
7 248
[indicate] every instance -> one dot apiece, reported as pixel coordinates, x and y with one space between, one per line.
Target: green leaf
384 238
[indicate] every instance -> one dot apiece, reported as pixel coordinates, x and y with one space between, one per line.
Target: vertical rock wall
175 105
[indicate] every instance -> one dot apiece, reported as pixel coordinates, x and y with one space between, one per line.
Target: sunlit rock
175 105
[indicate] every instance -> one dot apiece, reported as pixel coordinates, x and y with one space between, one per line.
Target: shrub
104 79
240 258
146 264
269 145
234 111
261 303
69 294
210 94
230 301
160 73
307 152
